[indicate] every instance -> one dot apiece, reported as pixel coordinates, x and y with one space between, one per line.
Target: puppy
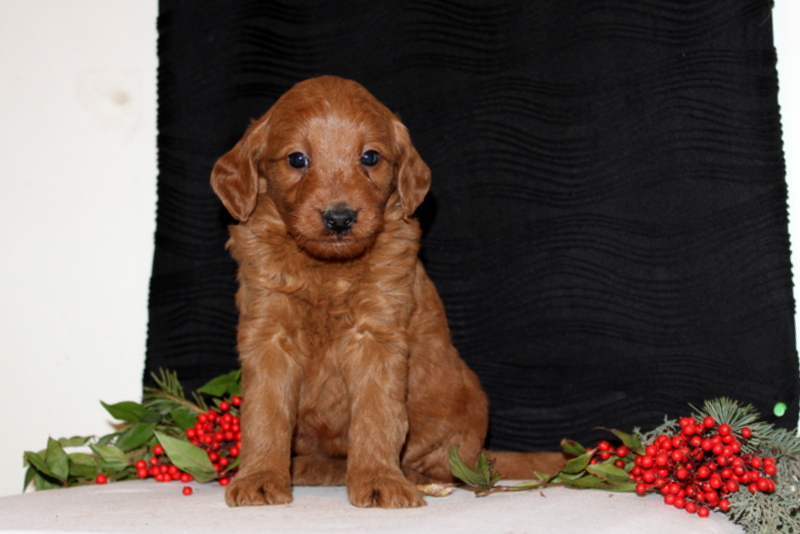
348 371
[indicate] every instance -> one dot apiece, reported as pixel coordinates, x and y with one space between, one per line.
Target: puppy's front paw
382 490
259 488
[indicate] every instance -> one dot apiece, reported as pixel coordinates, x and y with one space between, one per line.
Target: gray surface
148 506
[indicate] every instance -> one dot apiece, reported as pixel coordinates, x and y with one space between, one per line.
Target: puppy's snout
339 220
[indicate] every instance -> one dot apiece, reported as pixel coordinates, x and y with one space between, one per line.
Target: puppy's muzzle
339 220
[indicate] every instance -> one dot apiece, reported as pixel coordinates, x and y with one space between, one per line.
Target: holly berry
698 468
187 490
218 433
770 470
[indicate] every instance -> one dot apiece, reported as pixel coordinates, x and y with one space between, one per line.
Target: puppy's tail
525 465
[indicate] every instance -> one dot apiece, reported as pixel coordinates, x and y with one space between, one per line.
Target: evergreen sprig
168 396
760 513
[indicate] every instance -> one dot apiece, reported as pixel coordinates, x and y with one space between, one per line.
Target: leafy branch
757 512
162 418
582 470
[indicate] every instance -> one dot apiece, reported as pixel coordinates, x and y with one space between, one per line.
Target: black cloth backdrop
607 224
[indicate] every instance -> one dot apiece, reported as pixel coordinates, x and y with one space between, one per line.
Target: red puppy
348 371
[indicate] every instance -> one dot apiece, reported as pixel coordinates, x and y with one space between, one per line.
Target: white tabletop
149 506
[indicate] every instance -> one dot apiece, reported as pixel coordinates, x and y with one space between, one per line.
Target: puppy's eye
298 160
370 158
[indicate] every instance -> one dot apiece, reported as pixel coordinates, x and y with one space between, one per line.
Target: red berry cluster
160 468
699 467
219 433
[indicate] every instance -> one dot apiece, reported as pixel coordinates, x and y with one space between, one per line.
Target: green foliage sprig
161 418
756 512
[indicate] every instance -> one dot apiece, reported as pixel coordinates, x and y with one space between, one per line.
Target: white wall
77 215
77 208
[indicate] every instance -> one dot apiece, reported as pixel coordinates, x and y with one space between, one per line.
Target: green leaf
609 472
29 474
578 464
183 419
188 457
74 441
111 458
631 441
41 482
483 467
545 478
150 416
82 465
481 476
109 452
569 476
234 464
108 438
57 460
82 469
524 486
81 458
629 487
137 436
226 384
586 482
125 411
38 463
572 448
462 472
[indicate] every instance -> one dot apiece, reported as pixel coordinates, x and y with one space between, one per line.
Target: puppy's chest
329 310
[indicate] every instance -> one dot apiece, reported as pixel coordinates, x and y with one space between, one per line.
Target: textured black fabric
607 223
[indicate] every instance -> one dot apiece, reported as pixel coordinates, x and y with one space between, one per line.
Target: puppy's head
333 162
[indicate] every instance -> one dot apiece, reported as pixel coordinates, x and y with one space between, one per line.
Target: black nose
339 220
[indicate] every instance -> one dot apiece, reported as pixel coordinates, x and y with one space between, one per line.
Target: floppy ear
235 180
413 175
